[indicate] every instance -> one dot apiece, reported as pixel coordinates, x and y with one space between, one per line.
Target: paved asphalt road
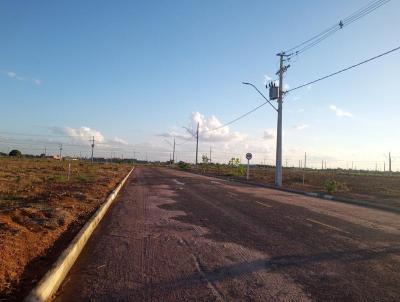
176 236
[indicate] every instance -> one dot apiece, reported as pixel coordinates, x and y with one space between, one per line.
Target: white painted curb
50 283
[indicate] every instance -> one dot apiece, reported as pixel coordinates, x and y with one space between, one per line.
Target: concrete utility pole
305 160
278 172
197 142
390 163
277 95
60 151
173 153
92 147
210 154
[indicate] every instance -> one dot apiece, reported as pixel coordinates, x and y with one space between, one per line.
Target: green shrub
332 186
15 153
182 165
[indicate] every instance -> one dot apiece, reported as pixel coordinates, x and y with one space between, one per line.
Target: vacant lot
41 209
377 187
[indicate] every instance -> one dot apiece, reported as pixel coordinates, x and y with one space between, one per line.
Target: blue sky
132 70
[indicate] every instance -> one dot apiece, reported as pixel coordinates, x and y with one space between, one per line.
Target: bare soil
40 212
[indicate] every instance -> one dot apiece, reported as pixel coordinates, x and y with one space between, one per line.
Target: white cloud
300 126
207 126
267 79
340 112
13 75
296 98
269 134
82 134
309 87
206 130
225 143
301 110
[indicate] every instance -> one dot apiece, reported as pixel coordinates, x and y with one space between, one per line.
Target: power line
238 118
345 69
362 12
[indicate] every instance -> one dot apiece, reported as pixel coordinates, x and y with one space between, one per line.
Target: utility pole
210 154
197 142
92 147
173 153
390 163
45 153
61 151
278 172
305 160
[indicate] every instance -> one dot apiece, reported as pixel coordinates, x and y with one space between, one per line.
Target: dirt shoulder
40 212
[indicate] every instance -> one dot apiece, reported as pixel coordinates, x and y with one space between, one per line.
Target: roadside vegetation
43 203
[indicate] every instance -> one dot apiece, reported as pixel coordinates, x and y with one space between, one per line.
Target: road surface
176 236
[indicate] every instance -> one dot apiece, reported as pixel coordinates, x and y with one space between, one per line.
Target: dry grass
364 185
39 204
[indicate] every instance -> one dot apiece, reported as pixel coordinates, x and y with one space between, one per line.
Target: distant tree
234 161
205 159
15 152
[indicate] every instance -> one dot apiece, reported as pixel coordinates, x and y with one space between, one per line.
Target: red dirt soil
40 212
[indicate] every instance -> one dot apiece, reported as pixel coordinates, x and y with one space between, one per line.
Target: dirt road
175 236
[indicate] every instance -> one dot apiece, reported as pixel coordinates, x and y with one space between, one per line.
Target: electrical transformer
273 92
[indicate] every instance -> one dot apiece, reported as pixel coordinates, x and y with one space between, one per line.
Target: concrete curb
50 283
362 203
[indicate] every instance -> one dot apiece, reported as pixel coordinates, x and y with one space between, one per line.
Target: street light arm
190 132
169 143
246 83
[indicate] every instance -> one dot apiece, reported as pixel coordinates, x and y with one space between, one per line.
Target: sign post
248 156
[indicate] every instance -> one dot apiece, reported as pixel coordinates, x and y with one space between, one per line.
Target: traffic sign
249 156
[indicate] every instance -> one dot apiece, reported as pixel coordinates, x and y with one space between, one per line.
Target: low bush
333 186
184 166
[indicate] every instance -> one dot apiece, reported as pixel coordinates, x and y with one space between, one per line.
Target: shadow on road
275 264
